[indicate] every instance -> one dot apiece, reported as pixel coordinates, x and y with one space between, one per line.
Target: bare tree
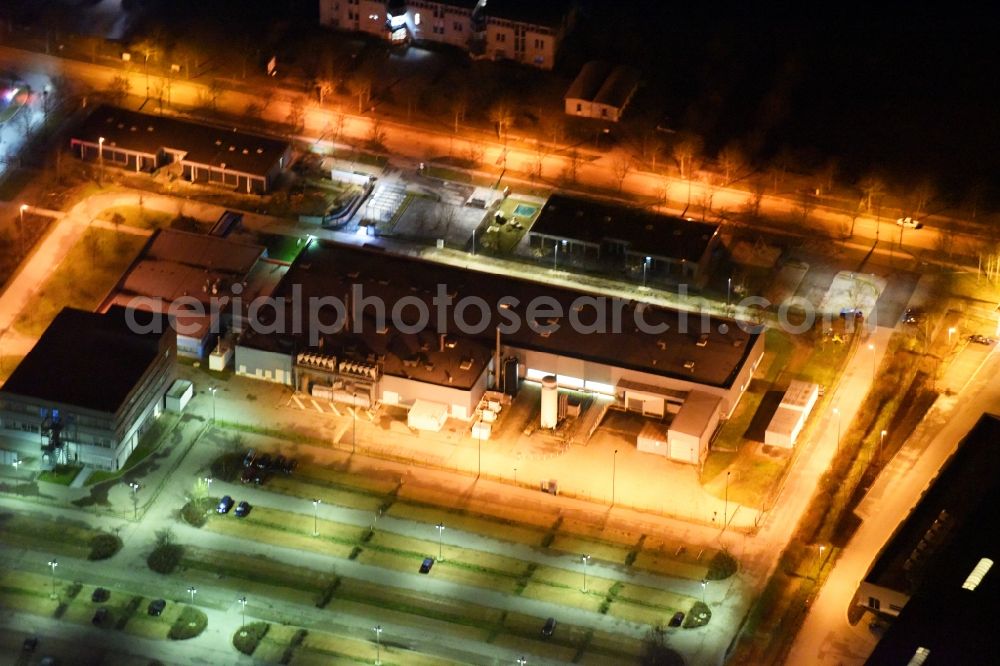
376 134
571 172
923 194
338 123
119 88
502 116
296 113
873 189
252 112
215 91
826 177
622 167
323 87
732 162
476 150
651 146
685 152
362 84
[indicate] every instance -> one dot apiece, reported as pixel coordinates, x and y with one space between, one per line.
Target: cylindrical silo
550 402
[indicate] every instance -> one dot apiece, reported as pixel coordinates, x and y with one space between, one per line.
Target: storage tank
550 402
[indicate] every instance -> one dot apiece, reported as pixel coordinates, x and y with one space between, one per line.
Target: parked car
156 607
100 617
677 619
264 461
909 223
425 566
980 339
290 465
279 462
253 475
248 459
912 316
549 627
242 509
100 595
30 643
225 504
847 313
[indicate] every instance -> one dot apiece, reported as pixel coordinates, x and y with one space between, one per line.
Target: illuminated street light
725 513
378 644
704 584
134 486
208 483
53 563
354 424
881 443
521 661
20 234
213 390
729 289
316 504
192 591
585 559
871 348
100 157
243 604
645 268
951 332
440 528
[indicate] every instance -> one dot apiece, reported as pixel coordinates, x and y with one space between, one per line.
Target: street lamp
192 591
16 465
704 584
440 528
243 604
515 477
819 564
212 390
100 157
555 258
208 483
645 268
871 348
53 563
614 470
729 289
585 559
316 504
951 329
134 485
20 234
881 443
521 661
725 513
836 412
354 424
378 644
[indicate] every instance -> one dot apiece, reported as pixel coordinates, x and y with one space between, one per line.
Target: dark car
848 313
290 465
248 459
676 620
30 643
100 595
100 617
912 316
225 504
980 339
156 607
279 462
549 628
253 475
242 509
264 461
425 566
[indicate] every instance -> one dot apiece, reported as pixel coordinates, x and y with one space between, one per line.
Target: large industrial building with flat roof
89 387
648 358
203 153
939 572
612 236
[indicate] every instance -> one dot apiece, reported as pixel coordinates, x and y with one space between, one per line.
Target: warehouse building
937 574
139 142
601 92
89 388
572 230
792 413
652 373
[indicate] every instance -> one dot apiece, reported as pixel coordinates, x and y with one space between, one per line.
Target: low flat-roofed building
588 342
141 142
192 271
950 585
602 92
792 413
615 236
691 431
89 387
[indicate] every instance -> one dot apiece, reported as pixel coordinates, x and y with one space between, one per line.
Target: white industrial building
653 374
791 416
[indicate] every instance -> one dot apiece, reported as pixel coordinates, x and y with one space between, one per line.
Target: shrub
698 617
190 623
103 546
722 566
195 512
165 558
249 636
227 466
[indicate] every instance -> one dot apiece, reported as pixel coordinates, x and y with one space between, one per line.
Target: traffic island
699 616
248 637
190 623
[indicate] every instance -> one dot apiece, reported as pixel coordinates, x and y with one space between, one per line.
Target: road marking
333 408
316 405
297 401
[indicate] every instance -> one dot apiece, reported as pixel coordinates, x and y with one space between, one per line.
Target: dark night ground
899 91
